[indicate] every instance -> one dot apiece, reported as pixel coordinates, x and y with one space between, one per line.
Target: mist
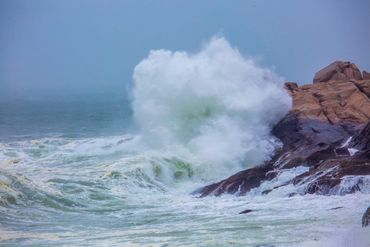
73 50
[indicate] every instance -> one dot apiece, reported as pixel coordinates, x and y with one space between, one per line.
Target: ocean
124 172
68 180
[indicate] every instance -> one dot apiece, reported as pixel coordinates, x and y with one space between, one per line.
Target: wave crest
216 103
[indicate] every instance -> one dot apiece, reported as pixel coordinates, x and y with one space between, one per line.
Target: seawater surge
199 117
217 104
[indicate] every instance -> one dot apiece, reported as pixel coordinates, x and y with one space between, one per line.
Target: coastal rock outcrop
327 130
338 71
335 176
361 141
240 183
335 102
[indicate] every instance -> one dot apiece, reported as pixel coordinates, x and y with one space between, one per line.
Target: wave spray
217 104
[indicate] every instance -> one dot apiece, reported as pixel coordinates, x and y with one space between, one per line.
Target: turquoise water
79 175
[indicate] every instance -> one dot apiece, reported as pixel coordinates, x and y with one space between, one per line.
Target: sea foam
216 103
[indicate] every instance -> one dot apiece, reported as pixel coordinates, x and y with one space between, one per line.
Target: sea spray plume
216 103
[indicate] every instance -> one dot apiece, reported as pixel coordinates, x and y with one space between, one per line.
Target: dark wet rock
246 211
295 131
336 208
325 178
314 134
338 70
366 218
361 141
309 143
307 140
240 183
342 151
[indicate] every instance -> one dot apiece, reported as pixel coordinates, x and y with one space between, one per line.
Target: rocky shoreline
327 131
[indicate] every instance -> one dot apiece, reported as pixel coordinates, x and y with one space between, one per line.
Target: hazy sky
83 48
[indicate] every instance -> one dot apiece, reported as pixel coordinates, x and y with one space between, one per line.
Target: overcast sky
88 48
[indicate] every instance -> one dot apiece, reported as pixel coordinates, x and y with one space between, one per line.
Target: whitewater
125 174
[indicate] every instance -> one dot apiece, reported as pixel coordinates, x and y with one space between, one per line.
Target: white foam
355 236
216 103
345 144
350 183
352 151
281 185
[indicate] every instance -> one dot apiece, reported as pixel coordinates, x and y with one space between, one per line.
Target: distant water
103 173
32 119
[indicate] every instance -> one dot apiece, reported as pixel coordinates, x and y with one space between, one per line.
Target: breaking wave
215 104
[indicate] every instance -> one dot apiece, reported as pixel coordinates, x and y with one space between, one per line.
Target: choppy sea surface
78 174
